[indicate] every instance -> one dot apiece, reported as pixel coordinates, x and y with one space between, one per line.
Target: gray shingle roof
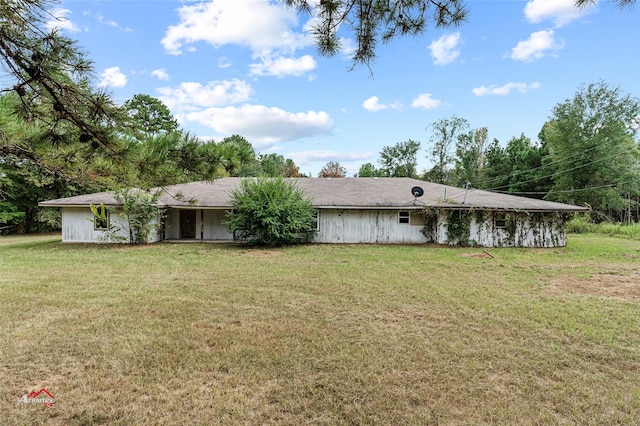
355 193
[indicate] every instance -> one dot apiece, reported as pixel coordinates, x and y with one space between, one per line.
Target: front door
187 223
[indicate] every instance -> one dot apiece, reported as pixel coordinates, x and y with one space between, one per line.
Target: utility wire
565 191
516 173
560 172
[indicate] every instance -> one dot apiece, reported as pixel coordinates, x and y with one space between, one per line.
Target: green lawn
320 334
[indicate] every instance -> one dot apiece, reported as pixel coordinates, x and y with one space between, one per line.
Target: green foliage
369 170
469 157
430 229
274 165
171 158
51 76
592 143
141 212
444 133
400 160
459 226
271 211
584 225
148 116
33 168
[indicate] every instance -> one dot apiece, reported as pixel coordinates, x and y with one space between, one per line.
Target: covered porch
197 224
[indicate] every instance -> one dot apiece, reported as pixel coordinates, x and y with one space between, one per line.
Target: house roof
347 193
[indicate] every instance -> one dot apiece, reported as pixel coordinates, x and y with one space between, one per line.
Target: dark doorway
187 223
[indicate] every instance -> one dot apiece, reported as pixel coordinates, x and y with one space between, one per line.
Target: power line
560 172
565 191
516 173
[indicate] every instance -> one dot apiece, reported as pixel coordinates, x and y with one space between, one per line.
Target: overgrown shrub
139 209
271 211
581 224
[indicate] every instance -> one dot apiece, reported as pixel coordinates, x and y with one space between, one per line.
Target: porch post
201 225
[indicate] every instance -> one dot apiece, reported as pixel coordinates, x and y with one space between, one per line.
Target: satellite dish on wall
416 191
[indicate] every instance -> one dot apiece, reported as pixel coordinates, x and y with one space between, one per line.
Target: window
101 220
316 217
403 217
499 220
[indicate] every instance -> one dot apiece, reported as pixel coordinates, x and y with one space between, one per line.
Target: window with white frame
403 217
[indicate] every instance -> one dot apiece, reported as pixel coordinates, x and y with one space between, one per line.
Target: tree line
587 153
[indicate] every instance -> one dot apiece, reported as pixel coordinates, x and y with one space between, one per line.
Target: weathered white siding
77 227
213 229
366 226
521 230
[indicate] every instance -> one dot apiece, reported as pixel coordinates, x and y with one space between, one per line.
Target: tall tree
332 169
444 133
374 21
496 169
369 170
592 142
32 169
149 115
470 157
400 160
236 152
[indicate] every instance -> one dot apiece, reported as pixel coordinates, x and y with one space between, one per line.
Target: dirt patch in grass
620 284
479 255
261 253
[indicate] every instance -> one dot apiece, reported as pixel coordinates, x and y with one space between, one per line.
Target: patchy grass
320 334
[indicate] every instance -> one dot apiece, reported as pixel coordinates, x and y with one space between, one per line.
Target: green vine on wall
430 229
459 226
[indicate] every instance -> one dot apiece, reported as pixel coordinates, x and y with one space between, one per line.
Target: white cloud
373 104
304 157
262 26
190 96
425 101
560 12
224 62
538 44
59 21
112 77
280 67
445 49
262 125
255 24
160 74
506 89
104 21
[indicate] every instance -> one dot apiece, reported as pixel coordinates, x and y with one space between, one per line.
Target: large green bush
271 211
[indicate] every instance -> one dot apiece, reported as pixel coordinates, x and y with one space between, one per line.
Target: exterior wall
520 230
172 224
77 227
213 229
367 226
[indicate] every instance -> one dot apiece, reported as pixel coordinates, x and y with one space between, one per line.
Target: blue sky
250 67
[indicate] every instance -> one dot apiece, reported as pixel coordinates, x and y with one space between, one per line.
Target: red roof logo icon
39 393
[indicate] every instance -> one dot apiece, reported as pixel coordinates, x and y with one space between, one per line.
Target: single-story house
350 210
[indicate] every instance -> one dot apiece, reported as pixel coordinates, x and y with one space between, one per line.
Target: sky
250 67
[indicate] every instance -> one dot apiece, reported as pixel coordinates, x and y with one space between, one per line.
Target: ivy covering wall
488 228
